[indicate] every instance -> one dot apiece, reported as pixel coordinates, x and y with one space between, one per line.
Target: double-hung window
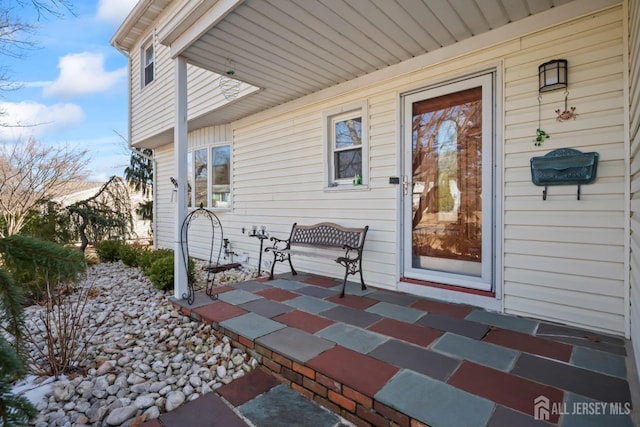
346 143
210 172
148 63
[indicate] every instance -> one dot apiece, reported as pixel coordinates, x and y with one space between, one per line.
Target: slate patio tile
601 361
452 324
304 321
416 334
251 325
282 406
351 316
250 286
610 415
397 298
449 309
295 344
238 296
208 410
602 346
577 380
503 321
247 387
277 294
582 338
434 402
503 388
530 344
363 373
218 311
408 356
506 417
266 307
300 277
348 336
290 285
355 289
317 291
398 312
353 301
310 304
551 330
323 281
477 351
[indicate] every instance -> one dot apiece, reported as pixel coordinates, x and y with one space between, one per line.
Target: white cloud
23 120
115 11
84 73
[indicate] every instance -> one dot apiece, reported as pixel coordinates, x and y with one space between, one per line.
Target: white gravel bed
145 359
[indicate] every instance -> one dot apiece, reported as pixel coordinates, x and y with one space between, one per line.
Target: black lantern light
553 75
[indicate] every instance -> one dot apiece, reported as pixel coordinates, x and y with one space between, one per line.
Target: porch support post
180 130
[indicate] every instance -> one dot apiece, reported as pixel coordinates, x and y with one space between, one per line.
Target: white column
180 130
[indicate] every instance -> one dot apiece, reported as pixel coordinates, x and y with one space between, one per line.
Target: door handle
405 185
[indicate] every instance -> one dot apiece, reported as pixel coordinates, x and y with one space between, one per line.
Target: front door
448 197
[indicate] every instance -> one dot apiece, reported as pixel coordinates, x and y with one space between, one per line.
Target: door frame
491 300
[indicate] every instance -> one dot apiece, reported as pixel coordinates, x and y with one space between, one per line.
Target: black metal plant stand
212 268
262 235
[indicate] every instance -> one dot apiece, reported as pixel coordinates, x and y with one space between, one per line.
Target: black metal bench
325 235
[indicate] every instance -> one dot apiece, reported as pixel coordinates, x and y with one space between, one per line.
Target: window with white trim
147 60
346 146
210 172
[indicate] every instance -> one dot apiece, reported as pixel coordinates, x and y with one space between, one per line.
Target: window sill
218 209
347 187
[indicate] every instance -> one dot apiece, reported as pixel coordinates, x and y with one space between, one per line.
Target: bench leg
344 282
363 287
273 265
293 270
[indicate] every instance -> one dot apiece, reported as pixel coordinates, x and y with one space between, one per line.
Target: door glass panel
447 182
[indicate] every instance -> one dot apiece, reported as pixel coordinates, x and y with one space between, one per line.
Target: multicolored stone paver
379 355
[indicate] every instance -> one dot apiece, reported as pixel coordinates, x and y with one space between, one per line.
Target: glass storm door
447 206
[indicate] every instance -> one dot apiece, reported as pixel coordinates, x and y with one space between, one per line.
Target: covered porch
384 358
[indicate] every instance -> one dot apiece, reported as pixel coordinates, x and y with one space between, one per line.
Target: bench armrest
349 249
278 244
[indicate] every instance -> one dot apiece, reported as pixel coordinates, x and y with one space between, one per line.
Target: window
148 60
200 177
346 142
210 171
221 174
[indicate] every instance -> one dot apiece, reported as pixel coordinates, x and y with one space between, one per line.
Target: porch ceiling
292 48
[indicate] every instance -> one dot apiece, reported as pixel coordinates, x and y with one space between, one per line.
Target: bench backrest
327 234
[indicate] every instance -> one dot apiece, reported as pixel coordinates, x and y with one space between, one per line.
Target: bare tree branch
30 175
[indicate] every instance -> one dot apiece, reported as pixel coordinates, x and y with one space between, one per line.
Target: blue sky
72 86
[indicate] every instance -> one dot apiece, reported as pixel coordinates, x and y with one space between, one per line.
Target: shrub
130 254
34 264
161 272
146 259
109 250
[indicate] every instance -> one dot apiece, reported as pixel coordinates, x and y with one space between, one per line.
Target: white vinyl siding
564 258
153 107
634 137
164 203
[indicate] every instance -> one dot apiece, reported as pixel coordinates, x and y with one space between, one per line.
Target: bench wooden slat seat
325 235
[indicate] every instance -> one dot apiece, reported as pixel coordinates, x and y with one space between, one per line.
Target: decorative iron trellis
212 268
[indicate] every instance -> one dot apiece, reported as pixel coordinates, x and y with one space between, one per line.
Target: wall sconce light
553 75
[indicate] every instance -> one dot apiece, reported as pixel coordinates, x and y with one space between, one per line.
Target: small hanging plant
540 136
